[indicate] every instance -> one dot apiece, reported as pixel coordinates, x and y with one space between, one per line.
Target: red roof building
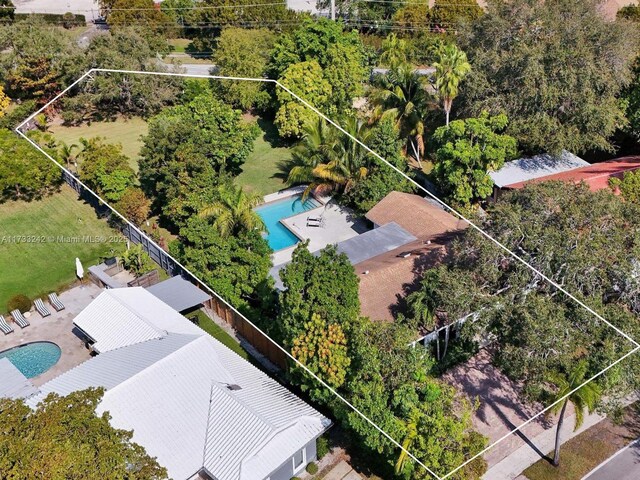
596 175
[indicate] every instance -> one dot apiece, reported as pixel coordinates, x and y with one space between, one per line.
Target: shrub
322 447
312 468
19 302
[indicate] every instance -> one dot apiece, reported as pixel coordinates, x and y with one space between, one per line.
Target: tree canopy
105 169
558 83
465 152
64 438
108 95
188 151
244 53
585 241
25 173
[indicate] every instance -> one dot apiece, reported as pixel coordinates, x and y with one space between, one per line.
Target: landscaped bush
322 447
19 302
312 468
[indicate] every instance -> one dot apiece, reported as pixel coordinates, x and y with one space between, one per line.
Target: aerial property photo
341 240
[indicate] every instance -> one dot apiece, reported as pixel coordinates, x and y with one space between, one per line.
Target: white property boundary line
88 73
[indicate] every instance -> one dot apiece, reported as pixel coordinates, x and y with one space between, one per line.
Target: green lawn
179 45
209 326
35 269
124 131
260 168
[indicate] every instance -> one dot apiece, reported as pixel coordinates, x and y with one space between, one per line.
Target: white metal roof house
202 410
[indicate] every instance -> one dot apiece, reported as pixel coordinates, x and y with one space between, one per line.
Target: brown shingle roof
418 216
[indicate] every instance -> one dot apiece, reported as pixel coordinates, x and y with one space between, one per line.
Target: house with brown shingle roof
386 278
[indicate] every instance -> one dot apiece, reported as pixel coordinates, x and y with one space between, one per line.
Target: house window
298 460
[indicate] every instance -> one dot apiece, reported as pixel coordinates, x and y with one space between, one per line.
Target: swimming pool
278 235
33 359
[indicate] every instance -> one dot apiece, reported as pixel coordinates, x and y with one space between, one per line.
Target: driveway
624 465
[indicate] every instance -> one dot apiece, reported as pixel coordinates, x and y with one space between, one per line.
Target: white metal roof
528 168
125 316
173 393
178 293
13 384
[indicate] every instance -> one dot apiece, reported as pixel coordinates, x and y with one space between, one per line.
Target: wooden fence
260 341
256 338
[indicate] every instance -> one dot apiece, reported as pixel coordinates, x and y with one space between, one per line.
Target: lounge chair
41 308
55 302
19 318
4 326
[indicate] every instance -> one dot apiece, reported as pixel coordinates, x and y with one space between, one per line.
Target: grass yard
586 451
124 131
35 269
261 167
213 329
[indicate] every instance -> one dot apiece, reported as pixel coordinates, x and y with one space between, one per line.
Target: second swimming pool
278 235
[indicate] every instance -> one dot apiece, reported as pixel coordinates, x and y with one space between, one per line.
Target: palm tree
451 68
583 398
65 152
328 160
401 94
394 51
233 212
411 426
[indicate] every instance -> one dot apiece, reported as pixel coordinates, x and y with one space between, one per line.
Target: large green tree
107 95
390 384
244 53
39 61
381 179
585 241
465 152
236 267
306 80
188 151
105 169
64 438
558 83
232 213
24 172
338 53
323 284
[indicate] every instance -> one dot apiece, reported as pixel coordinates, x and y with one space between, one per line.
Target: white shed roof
13 384
528 168
124 316
173 393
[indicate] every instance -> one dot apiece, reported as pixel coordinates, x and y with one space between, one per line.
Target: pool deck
339 224
56 328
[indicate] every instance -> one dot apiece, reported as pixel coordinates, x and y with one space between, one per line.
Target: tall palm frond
233 211
452 66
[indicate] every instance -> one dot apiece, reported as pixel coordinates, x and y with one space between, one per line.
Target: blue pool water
278 235
33 359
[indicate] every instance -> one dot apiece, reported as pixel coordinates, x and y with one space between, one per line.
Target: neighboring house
202 410
596 175
387 277
89 8
517 172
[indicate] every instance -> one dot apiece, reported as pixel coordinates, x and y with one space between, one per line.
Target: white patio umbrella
79 269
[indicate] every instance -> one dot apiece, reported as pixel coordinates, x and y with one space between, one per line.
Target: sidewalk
512 466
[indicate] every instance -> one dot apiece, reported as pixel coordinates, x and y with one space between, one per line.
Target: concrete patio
56 328
339 223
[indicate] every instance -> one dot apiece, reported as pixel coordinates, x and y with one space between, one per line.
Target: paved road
623 466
